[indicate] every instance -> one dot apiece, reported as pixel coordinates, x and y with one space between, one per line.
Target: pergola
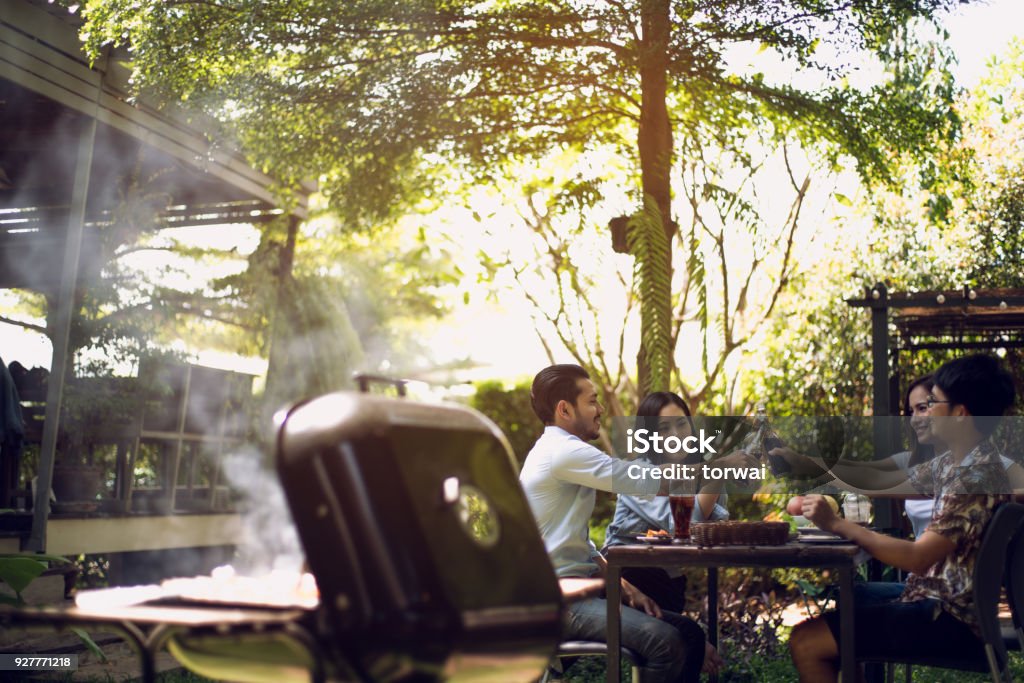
908 322
73 142
961 319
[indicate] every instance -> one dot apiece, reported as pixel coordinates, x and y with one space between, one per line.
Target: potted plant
97 411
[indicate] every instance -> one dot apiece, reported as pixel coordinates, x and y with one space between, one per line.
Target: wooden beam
46 68
134 533
61 334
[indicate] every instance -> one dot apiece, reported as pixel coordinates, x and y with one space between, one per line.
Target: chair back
988 579
1015 580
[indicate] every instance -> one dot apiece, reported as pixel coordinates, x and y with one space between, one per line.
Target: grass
752 669
758 669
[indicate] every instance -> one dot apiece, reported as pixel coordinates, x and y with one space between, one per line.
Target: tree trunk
654 142
279 364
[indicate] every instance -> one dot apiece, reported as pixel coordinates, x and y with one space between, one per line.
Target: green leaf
89 643
59 559
650 248
843 199
808 588
19 571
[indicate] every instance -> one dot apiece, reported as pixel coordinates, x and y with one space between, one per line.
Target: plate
655 540
821 537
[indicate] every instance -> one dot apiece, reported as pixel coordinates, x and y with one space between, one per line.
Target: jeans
672 648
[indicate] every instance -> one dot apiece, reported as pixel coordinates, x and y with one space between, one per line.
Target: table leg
612 593
847 656
713 613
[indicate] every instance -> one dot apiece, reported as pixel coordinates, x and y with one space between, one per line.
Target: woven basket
739 533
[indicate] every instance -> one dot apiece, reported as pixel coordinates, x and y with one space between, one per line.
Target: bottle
753 443
764 440
856 508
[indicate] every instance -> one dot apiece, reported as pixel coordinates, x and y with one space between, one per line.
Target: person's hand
632 596
713 661
818 510
737 459
800 464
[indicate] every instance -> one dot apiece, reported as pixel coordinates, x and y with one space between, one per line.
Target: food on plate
656 533
795 506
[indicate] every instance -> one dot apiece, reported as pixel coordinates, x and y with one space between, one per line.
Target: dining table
842 556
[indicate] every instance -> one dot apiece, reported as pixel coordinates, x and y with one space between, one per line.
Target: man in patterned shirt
933 614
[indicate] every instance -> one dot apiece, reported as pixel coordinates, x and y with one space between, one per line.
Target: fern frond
650 248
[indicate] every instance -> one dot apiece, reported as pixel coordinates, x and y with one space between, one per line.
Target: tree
381 98
963 231
584 298
350 301
119 306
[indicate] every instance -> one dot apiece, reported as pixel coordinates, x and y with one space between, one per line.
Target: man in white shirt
560 477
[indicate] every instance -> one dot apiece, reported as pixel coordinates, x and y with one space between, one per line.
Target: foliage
554 252
393 279
817 356
995 195
584 297
18 571
751 632
510 409
386 102
650 247
95 571
337 301
353 89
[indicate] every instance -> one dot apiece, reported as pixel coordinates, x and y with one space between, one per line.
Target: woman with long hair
667 414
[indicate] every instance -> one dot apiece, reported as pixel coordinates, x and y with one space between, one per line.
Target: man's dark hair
979 383
553 384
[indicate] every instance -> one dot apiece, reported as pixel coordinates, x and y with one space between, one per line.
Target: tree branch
23 324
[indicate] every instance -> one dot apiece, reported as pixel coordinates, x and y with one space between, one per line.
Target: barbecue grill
428 561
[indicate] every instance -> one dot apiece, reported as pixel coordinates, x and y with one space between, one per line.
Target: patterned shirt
966 496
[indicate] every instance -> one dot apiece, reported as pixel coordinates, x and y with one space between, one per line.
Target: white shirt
560 477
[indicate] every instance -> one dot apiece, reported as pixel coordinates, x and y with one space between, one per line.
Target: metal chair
1002 532
1013 638
589 648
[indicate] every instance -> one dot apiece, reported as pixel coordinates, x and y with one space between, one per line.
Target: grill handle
364 380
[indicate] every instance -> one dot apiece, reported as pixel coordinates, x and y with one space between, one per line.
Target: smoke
269 540
315 348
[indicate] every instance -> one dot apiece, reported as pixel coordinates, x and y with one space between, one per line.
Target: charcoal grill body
428 560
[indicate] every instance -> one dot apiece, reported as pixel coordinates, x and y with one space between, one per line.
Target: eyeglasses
932 401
